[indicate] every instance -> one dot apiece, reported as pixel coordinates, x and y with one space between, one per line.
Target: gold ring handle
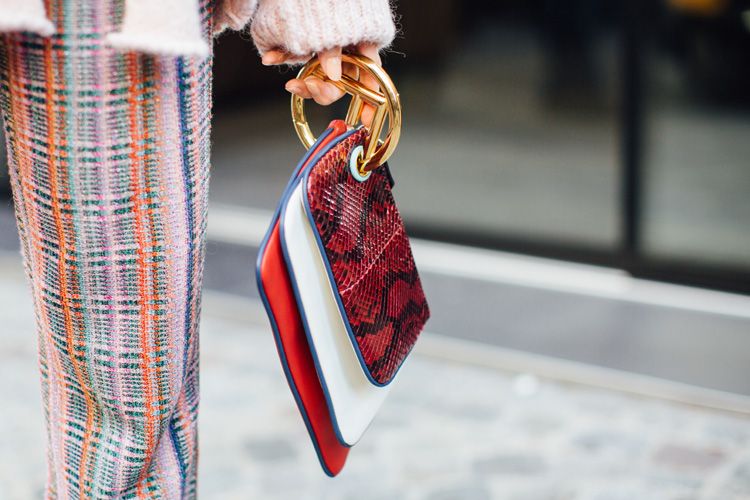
386 102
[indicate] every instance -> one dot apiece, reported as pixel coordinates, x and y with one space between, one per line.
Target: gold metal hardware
386 102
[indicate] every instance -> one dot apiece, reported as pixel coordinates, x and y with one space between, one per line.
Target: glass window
697 157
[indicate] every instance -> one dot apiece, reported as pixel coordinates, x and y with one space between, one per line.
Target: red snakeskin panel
370 259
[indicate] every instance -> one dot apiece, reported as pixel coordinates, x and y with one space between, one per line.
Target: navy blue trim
264 298
308 212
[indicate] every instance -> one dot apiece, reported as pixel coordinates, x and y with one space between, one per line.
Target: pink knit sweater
303 27
299 27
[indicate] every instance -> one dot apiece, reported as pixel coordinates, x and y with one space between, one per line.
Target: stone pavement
449 431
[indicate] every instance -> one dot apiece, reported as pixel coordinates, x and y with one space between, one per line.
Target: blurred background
576 176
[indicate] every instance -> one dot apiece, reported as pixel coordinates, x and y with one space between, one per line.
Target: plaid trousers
109 164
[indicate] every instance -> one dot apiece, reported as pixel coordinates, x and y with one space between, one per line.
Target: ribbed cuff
25 15
304 27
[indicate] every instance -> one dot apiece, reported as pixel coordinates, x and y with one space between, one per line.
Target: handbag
336 271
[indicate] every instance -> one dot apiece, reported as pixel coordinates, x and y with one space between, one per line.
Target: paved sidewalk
448 431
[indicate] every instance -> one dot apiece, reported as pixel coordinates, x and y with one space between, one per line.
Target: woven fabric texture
109 163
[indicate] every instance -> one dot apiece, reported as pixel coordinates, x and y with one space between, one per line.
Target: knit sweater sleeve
233 14
304 27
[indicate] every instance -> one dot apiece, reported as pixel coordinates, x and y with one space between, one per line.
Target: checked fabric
109 164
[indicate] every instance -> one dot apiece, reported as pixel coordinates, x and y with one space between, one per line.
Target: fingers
368 113
370 51
330 61
323 93
298 87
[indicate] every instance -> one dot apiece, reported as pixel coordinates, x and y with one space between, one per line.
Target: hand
325 93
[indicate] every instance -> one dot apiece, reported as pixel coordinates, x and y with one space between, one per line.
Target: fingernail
293 87
332 67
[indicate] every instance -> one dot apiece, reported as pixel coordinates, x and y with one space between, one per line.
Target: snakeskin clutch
338 242
368 255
